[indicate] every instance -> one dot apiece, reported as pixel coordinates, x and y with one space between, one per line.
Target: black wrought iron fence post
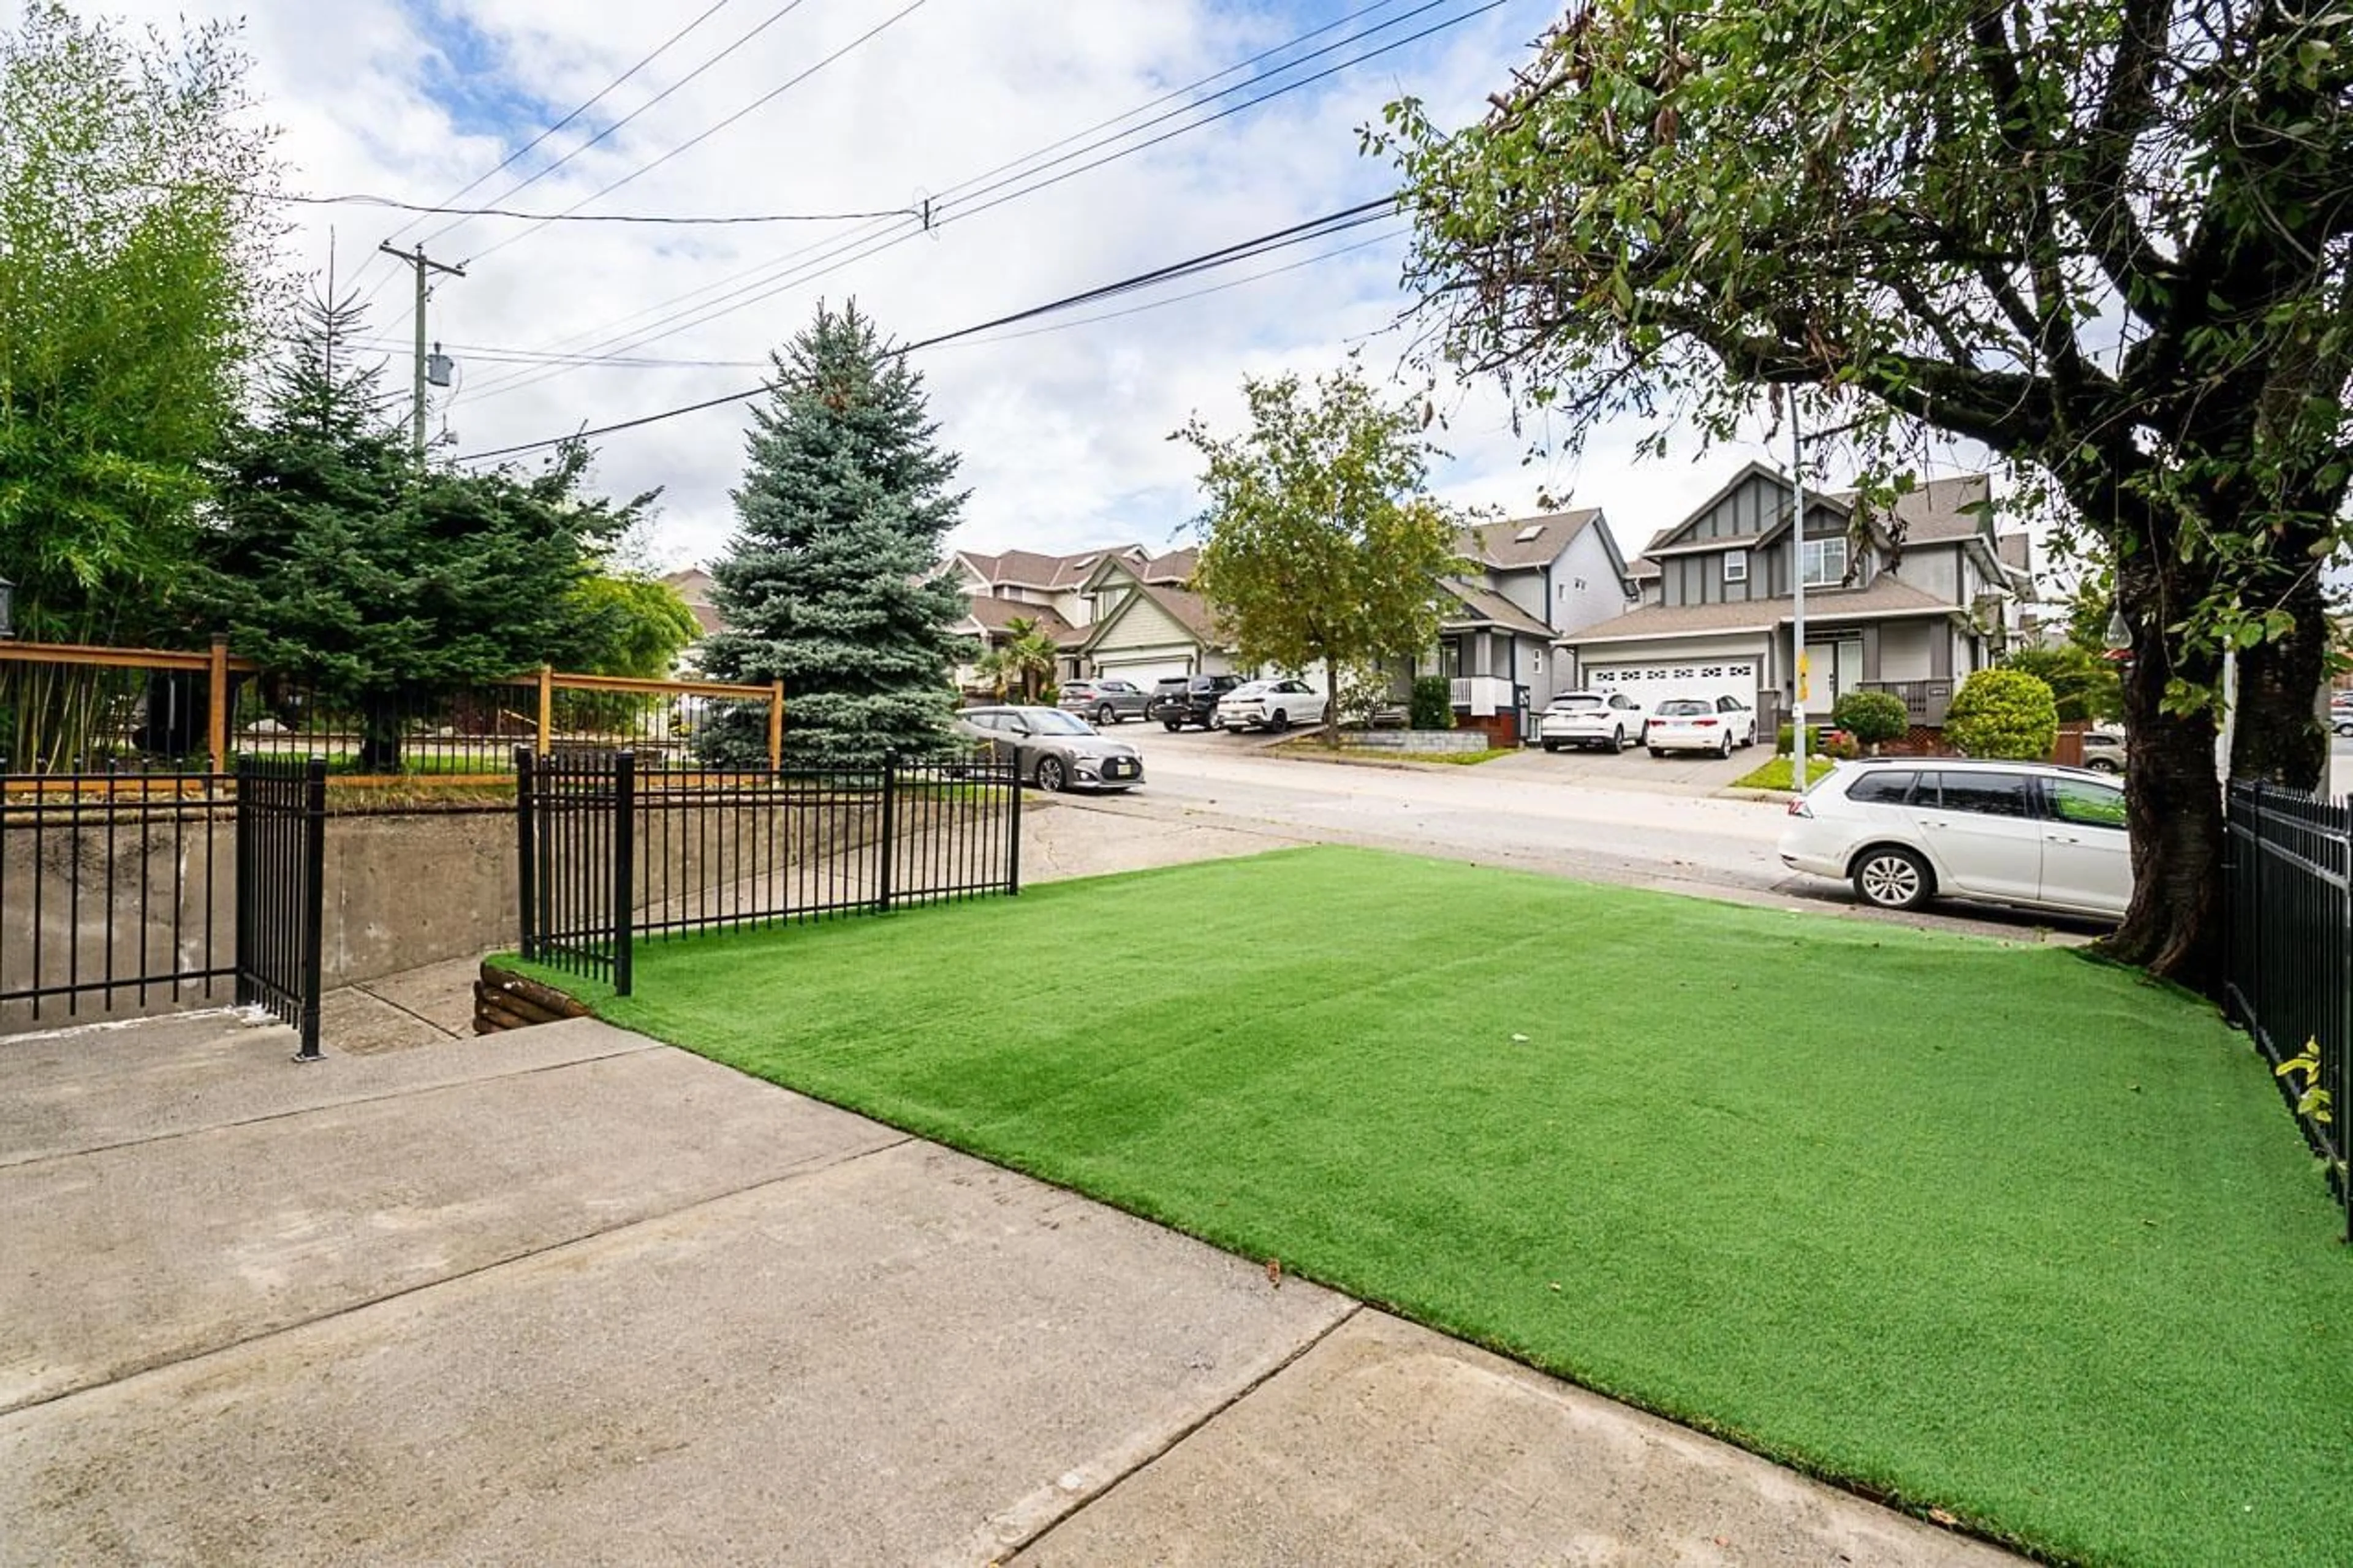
1013 833
890 830
313 916
625 822
526 856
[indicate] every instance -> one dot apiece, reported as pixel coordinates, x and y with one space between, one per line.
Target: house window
1825 561
1735 566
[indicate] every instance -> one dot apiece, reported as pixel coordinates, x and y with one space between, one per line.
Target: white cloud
1063 433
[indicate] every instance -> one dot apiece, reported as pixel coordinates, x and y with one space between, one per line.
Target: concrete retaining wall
1414 740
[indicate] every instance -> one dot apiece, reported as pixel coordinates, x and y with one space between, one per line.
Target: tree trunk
380 727
2279 737
2173 801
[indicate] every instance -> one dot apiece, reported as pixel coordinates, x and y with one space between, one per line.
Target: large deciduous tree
136 282
2106 239
376 588
835 583
1317 544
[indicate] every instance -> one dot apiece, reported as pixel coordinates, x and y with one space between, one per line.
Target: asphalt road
1625 820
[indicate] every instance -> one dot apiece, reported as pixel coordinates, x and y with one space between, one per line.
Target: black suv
1181 700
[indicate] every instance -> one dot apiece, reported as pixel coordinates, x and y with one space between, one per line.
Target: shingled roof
1524 542
1886 596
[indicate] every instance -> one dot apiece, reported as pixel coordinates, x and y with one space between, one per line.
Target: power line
847 250
772 17
363 199
1297 234
653 315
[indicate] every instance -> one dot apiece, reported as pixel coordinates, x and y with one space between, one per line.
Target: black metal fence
607 856
281 856
112 893
2289 974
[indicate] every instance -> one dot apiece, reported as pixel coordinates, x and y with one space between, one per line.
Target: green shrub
2083 686
1433 703
1873 718
1781 740
2003 713
1840 746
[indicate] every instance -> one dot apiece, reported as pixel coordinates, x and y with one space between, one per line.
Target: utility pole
1797 757
423 264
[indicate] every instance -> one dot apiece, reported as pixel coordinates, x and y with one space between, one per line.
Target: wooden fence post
546 706
775 725
216 720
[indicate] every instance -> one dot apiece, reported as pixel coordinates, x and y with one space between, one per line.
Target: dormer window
1825 561
1735 566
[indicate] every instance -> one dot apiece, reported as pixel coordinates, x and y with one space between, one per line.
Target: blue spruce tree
834 583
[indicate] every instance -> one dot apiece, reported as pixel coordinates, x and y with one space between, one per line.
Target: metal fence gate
608 856
281 855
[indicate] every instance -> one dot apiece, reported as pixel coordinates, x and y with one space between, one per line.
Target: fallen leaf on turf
1519 1039
1556 1284
1941 1517
1274 1272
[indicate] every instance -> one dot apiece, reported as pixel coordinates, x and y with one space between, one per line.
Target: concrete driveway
1677 773
571 1296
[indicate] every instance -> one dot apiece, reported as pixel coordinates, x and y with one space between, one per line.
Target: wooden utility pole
423 264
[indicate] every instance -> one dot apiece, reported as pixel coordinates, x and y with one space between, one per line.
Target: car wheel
1172 725
1618 738
1658 751
1278 722
1726 749
2101 765
1051 776
1893 878
1552 746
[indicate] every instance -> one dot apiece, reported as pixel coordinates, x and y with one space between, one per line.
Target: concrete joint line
1038 1515
365 990
812 1168
330 1105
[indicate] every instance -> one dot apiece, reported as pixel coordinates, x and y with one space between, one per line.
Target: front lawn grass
1979 1227
1775 774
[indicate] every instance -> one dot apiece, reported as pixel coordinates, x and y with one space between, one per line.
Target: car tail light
1798 807
1701 723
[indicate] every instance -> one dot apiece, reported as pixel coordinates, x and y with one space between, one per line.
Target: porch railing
1925 701
1482 695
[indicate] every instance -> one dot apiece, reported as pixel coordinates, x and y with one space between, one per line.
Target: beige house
1148 625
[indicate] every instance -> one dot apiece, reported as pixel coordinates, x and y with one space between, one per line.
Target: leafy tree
632 625
135 256
1024 659
2112 240
2083 684
834 581
1316 543
377 588
2003 713
1873 718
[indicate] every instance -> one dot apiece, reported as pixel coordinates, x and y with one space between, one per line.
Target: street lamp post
1797 758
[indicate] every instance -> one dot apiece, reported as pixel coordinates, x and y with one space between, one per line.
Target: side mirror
1021 726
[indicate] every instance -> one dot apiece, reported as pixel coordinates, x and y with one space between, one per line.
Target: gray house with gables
1909 602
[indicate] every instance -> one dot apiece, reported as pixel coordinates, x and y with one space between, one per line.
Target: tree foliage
2107 239
2003 713
2083 684
1024 661
1317 545
834 583
135 253
633 624
367 585
1873 718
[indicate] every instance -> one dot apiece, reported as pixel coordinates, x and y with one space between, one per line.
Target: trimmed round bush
1433 703
1873 718
2003 713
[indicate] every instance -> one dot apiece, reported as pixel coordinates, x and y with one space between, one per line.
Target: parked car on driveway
1269 705
1182 699
1106 701
1906 829
2104 750
1611 720
1054 749
1701 724
2340 713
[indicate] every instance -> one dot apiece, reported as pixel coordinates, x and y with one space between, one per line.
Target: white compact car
1607 719
1701 724
1906 829
1269 705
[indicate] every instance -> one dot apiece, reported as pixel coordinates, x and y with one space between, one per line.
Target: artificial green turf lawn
1991 1229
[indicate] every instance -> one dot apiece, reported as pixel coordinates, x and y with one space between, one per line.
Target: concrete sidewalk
568 1295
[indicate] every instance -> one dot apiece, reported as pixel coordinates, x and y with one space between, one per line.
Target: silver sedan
1054 749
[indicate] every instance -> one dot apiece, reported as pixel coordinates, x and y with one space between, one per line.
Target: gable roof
993 615
1175 568
1186 608
1032 569
1482 606
1499 547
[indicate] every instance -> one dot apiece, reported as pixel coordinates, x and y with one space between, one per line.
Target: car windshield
1254 689
1571 704
1681 708
1052 722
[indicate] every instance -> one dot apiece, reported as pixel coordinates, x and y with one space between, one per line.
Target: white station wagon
1906 829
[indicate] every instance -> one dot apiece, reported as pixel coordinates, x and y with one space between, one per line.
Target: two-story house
1149 624
1910 602
1024 584
1535 578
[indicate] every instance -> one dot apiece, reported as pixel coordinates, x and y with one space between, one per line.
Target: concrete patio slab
88 1088
893 1359
143 1253
1388 1443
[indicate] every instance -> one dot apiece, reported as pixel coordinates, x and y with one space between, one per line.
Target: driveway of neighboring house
572 1296
1677 773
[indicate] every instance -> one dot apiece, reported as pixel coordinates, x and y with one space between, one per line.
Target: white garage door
1143 672
1651 683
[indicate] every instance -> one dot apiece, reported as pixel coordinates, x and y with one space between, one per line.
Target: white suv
1607 719
1906 829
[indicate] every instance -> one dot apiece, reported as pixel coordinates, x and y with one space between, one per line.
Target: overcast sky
1062 432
